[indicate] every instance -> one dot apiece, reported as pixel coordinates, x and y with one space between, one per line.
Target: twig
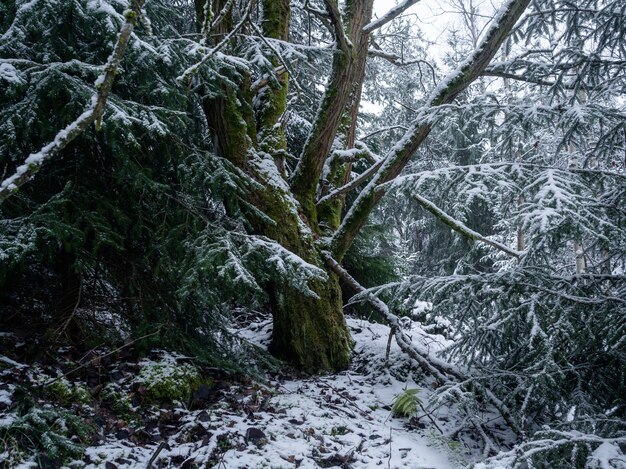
156 453
291 74
430 417
389 459
100 357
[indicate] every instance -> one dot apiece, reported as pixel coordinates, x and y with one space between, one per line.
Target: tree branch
527 79
335 18
459 227
390 15
384 129
94 112
398 157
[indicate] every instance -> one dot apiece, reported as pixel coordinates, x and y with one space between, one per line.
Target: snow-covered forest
313 233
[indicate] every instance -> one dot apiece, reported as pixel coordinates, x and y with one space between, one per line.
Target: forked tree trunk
309 332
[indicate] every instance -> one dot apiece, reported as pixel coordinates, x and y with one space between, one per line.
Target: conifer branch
352 184
93 114
460 227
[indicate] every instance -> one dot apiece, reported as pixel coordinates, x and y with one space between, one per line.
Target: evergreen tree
161 163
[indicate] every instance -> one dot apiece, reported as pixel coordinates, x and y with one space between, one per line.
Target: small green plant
66 393
117 400
58 433
340 430
407 403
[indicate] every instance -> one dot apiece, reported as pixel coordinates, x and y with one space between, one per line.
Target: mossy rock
165 381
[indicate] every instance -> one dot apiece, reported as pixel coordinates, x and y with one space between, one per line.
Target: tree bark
340 100
309 332
398 157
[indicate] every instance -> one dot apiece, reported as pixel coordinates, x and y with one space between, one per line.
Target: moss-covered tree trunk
309 331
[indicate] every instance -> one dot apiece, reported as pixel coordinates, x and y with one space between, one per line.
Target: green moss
167 381
311 332
117 400
65 393
131 16
329 214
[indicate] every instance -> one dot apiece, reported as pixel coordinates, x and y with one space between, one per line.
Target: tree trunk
309 332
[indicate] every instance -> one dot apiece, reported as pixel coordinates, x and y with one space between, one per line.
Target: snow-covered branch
94 112
352 184
460 227
390 15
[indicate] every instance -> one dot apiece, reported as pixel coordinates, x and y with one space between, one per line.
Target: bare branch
384 129
390 15
222 14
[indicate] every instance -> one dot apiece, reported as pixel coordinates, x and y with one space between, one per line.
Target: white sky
436 17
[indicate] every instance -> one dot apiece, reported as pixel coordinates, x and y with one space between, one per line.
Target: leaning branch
390 15
443 372
459 227
403 341
400 154
94 112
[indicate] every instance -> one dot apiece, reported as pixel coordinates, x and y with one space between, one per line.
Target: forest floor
341 420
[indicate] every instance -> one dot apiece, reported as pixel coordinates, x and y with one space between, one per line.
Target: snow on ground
341 420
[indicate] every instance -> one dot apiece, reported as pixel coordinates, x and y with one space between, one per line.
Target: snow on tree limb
94 112
389 16
400 154
460 227
352 184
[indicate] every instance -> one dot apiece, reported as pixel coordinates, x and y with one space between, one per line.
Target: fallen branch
442 371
